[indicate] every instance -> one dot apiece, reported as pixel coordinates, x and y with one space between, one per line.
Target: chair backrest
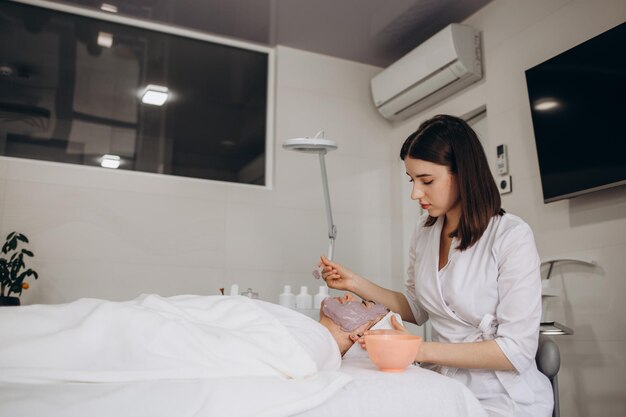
548 360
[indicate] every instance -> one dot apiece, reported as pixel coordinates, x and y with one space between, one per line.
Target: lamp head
310 145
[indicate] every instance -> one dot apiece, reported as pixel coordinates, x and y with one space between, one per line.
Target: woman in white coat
473 272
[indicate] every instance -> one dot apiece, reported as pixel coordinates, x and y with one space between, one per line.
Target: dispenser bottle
287 298
234 289
304 301
317 300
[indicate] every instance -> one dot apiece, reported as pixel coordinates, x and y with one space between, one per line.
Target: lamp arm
332 230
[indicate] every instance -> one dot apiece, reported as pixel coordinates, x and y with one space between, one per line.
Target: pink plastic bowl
392 352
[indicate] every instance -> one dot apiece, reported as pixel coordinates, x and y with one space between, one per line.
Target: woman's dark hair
450 141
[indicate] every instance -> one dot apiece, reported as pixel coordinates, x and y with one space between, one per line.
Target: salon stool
548 360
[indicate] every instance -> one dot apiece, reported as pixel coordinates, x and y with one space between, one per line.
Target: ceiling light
546 104
5 71
105 39
108 8
110 161
155 95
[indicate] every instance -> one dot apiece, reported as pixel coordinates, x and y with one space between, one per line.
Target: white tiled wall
116 234
518 35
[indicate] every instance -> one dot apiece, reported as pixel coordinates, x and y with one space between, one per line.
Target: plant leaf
12 243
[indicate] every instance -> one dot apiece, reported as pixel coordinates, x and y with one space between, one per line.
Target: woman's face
345 339
434 186
349 313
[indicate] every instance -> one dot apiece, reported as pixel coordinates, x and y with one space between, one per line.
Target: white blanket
416 392
243 360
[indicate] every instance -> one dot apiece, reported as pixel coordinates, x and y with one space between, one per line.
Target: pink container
392 352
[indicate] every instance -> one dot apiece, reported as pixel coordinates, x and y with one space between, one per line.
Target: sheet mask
352 315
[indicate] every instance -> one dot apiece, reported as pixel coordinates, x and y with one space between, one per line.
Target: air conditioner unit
436 69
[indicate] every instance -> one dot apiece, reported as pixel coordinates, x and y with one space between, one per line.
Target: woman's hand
336 276
398 328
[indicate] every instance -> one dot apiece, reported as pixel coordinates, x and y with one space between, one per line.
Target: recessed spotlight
105 39
110 161
5 71
155 95
544 104
108 8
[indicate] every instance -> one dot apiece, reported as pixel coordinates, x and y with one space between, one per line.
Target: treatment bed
199 356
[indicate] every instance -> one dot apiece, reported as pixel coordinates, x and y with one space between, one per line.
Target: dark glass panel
71 86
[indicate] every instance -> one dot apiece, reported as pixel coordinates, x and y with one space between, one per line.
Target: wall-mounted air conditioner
436 69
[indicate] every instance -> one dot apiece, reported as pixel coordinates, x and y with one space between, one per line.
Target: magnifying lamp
320 146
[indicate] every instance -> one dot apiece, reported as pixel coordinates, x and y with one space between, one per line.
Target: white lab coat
490 291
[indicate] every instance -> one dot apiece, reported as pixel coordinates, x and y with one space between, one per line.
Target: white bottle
304 301
287 298
234 289
319 297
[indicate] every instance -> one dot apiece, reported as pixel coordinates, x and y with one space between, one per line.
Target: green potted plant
13 269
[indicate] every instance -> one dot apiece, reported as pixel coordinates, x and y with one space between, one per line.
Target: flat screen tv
578 106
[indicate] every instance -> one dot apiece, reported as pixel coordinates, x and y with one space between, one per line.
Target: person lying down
181 337
348 318
344 318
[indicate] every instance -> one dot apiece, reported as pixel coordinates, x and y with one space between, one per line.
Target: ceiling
375 32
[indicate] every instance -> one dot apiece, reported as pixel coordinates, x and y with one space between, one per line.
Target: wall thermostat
504 185
502 162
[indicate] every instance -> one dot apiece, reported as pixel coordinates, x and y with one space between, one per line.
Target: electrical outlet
504 185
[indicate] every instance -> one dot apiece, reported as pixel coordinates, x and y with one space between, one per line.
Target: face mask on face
352 315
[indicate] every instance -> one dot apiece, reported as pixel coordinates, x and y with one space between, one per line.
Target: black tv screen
578 107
